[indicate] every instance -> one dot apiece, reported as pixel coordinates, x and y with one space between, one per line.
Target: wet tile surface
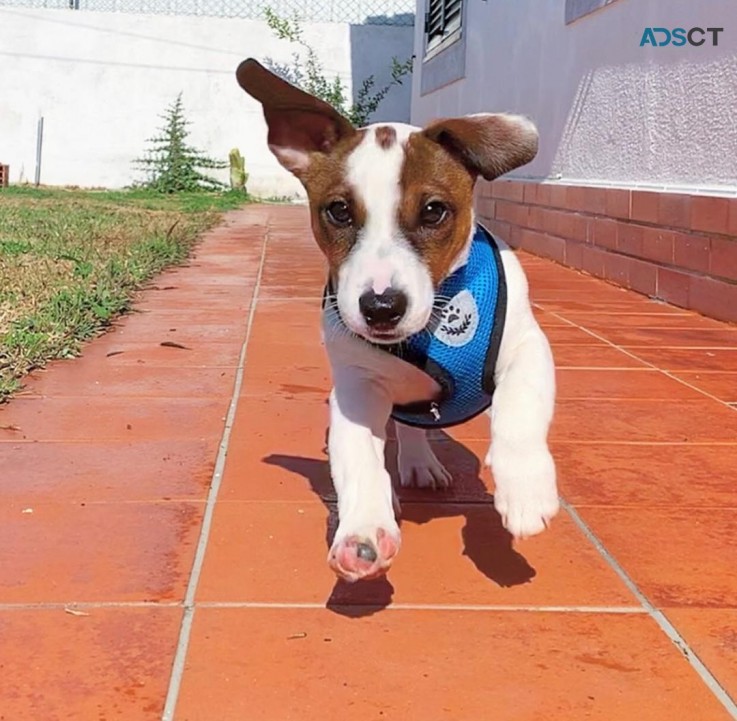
712 633
433 664
720 385
66 552
141 470
88 377
274 552
621 384
644 475
107 462
97 663
676 556
81 418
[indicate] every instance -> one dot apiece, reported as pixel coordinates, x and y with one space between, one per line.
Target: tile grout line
307 605
653 366
185 630
499 608
474 439
73 605
656 614
709 680
189 604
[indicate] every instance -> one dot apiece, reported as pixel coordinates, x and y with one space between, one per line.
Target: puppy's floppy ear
488 145
299 123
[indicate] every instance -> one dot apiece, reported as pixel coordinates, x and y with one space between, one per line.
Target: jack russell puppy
426 317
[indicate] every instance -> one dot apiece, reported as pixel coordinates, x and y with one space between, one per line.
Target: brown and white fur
392 210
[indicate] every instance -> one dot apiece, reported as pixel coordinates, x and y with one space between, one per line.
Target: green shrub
307 72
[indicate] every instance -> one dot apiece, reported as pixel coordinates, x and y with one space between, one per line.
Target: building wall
676 247
608 110
100 80
636 178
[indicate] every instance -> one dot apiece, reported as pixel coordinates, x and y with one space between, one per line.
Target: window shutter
442 15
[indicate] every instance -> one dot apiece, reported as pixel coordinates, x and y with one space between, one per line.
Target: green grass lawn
71 259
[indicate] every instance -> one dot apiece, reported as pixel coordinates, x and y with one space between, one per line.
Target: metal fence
365 12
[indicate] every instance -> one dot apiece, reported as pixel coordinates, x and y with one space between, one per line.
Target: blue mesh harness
459 349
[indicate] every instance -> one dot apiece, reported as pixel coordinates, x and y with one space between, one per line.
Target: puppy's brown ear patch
488 145
385 136
299 123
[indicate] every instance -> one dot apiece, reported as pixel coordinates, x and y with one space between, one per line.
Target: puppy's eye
339 214
433 213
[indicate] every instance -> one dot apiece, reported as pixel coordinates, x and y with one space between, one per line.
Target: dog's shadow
486 543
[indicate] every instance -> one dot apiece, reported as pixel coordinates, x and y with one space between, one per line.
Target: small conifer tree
172 165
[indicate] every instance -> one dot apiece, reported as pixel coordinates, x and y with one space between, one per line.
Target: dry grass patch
71 260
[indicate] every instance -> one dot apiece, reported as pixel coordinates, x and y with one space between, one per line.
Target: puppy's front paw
526 496
419 467
363 555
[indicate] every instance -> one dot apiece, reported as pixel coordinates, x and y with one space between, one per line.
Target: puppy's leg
526 495
418 465
367 538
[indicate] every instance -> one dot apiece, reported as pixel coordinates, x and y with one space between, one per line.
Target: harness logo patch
459 321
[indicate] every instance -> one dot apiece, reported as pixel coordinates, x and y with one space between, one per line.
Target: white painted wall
100 80
608 110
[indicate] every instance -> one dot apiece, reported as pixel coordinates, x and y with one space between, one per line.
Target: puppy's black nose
383 311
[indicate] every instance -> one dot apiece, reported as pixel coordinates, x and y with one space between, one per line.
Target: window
442 22
444 59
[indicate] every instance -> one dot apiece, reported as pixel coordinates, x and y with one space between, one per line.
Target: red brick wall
676 247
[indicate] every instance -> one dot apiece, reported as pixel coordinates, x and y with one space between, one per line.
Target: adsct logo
658 37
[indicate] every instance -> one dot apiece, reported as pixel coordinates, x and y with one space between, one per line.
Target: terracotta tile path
163 518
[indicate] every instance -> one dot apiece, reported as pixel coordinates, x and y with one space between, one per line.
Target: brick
630 239
543 194
507 190
485 220
574 254
542 244
514 236
604 233
732 219
616 269
710 214
657 245
723 258
617 203
522 214
484 189
559 196
587 199
529 193
499 229
673 286
485 207
594 200
505 211
544 219
674 210
715 298
576 198
573 225
536 218
691 251
592 260
513 213
643 276
645 206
